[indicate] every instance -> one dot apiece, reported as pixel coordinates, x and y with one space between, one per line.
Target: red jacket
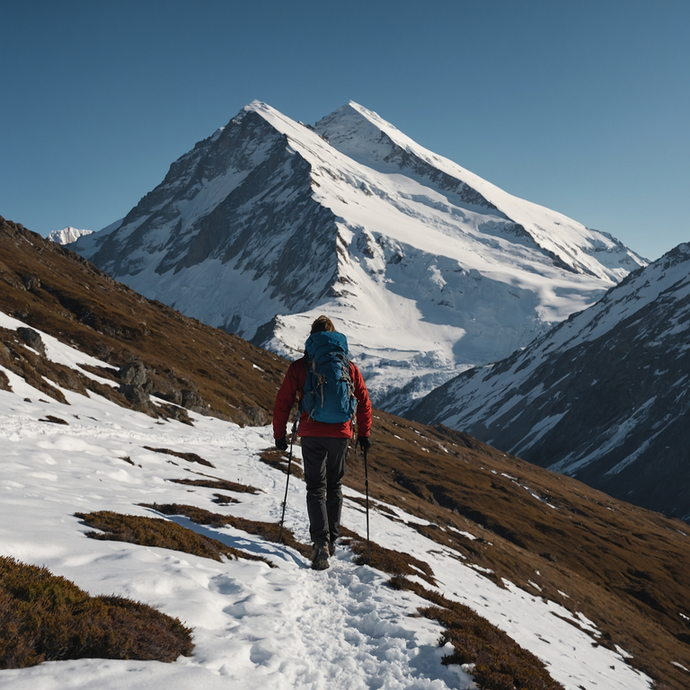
293 385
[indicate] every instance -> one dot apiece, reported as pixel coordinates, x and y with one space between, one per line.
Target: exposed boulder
135 384
31 283
193 401
32 338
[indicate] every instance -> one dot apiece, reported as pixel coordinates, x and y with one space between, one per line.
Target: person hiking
327 408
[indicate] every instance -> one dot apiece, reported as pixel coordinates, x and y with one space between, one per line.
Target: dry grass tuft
268 530
189 457
53 420
495 660
44 617
279 460
4 382
224 484
147 531
223 500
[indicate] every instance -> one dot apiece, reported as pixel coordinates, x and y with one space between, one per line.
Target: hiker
324 443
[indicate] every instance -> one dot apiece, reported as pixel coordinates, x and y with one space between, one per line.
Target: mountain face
67 235
426 267
603 397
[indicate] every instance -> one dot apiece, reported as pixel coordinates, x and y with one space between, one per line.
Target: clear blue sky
580 105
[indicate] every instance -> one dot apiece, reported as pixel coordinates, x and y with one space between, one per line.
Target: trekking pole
366 486
287 483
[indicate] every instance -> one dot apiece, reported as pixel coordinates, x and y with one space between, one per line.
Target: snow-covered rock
427 268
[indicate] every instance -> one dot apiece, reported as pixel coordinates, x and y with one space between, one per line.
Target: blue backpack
329 393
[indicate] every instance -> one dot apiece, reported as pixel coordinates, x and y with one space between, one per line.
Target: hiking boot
320 558
331 548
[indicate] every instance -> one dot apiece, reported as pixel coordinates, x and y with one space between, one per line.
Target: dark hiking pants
324 466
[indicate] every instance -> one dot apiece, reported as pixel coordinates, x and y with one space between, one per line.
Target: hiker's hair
323 323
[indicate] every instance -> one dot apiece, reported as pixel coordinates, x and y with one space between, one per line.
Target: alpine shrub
45 617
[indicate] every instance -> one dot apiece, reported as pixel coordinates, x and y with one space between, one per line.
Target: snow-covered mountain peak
668 276
67 235
360 133
363 135
428 268
266 111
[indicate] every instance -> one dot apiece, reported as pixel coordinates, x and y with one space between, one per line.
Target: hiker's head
323 323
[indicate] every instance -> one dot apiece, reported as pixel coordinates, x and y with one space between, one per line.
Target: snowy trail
285 627
254 626
333 629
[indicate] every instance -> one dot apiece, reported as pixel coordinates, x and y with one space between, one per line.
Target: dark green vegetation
46 618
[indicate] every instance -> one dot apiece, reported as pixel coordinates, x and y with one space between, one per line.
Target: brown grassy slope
55 290
499 662
623 567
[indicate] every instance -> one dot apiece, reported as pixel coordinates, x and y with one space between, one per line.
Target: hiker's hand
364 443
281 443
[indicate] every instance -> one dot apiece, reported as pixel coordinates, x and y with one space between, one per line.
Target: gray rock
133 374
32 338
